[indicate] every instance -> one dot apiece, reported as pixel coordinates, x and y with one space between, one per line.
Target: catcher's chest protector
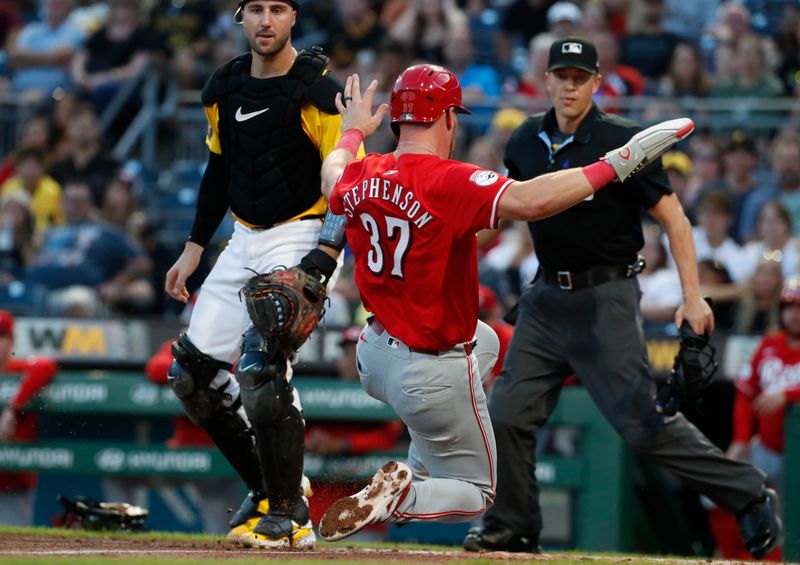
273 167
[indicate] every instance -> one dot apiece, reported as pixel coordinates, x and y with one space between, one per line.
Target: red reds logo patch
625 153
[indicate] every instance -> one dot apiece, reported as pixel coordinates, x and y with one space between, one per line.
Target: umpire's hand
183 268
697 312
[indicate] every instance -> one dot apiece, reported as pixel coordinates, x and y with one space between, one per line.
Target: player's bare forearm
669 213
544 195
332 168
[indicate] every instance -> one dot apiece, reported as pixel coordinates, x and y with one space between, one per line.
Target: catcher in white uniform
272 120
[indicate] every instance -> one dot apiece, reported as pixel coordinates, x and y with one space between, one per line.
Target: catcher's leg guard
278 426
189 377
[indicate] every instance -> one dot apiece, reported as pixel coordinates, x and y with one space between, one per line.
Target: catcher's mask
693 370
238 18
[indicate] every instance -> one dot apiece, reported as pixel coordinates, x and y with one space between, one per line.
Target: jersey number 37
395 233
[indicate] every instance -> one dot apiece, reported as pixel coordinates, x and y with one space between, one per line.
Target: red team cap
6 323
791 292
423 93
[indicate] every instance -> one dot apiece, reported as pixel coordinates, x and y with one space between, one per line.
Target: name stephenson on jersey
384 189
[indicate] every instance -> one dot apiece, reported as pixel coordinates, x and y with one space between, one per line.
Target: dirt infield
31 545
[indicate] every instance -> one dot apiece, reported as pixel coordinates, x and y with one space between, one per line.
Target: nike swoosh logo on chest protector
241 117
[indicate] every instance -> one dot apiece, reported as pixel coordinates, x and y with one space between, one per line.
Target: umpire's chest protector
273 167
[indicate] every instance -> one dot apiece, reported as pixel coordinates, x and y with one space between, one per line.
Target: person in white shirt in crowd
659 283
711 239
774 240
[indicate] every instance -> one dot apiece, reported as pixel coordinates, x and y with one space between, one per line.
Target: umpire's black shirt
604 229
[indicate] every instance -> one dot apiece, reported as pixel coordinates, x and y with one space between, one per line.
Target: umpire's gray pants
596 333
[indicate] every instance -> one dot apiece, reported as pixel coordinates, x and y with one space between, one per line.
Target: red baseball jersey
775 367
411 223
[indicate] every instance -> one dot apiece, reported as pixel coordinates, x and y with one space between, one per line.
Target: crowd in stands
83 233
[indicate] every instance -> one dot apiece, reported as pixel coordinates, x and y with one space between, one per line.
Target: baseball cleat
482 540
254 507
760 524
647 145
301 538
374 503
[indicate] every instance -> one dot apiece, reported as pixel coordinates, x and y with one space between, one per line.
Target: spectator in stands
679 170
477 81
484 26
42 51
767 386
491 311
45 192
504 122
739 181
523 20
105 265
716 283
64 107
711 239
689 19
564 19
356 29
184 31
774 239
214 496
18 423
769 383
648 47
788 43
483 152
757 308
10 24
339 437
87 158
119 203
16 235
687 74
35 134
113 55
424 26
531 82
659 284
618 79
595 17
785 187
10 21
752 76
707 164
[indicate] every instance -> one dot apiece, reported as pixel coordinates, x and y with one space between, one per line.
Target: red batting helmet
423 93
791 292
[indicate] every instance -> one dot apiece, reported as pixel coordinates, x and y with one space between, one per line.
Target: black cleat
280 519
481 539
760 525
249 508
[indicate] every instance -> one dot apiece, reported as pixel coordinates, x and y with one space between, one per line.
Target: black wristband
317 262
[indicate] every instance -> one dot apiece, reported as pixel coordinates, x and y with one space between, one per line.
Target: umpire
581 316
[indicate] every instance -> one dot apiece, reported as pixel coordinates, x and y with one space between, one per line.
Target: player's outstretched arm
552 193
358 122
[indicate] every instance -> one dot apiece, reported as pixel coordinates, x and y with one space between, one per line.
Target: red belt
378 328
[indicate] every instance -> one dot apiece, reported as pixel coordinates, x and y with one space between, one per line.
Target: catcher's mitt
94 515
693 370
285 306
